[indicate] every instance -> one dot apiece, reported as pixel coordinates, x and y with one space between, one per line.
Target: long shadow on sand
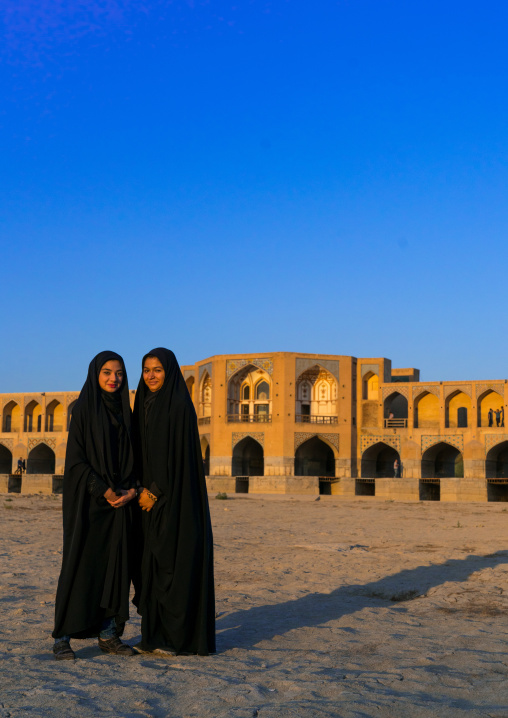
245 628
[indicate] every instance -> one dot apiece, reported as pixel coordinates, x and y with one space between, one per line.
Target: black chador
177 594
98 539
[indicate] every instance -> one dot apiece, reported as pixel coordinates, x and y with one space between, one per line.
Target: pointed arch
395 408
41 460
314 457
496 461
248 458
370 386
12 418
489 401
5 460
378 461
457 409
69 412
205 395
442 460
33 416
316 393
426 411
54 416
249 395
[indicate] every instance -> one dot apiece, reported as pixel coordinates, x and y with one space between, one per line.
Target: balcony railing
204 420
249 418
395 423
315 419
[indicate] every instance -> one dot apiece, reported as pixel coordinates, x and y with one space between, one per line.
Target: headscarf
98 411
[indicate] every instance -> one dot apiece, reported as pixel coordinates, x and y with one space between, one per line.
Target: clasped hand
118 501
145 501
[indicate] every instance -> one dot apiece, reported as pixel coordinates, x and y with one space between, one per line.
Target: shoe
63 651
114 645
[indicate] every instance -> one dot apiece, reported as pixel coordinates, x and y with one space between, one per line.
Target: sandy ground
326 608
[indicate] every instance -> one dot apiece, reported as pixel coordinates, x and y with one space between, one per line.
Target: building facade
292 422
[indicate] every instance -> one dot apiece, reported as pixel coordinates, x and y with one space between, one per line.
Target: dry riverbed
325 608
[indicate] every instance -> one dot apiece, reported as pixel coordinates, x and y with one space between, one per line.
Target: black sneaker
63 651
114 645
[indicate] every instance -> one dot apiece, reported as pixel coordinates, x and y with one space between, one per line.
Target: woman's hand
118 501
147 500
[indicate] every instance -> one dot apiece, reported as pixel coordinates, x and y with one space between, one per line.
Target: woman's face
111 376
153 373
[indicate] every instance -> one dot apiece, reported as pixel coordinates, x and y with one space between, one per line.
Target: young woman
177 594
93 590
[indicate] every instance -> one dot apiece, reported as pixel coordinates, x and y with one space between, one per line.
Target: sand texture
325 608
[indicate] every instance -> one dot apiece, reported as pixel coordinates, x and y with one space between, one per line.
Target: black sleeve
96 486
155 490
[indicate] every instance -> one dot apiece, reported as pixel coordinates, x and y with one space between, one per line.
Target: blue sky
257 176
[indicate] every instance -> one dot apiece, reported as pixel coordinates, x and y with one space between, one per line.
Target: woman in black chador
177 590
93 590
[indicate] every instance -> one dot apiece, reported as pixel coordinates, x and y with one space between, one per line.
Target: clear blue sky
256 176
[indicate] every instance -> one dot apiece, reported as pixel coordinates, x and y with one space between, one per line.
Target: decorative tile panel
456 440
205 368
237 436
417 390
370 440
7 442
494 386
398 388
32 443
233 365
493 439
450 388
374 368
302 436
36 398
304 363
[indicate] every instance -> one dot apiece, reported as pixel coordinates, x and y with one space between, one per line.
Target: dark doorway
325 485
248 458
442 461
58 484
378 462
314 458
365 487
14 484
430 490
5 460
496 463
242 485
497 490
462 417
41 460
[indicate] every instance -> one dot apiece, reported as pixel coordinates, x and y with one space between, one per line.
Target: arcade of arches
288 414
